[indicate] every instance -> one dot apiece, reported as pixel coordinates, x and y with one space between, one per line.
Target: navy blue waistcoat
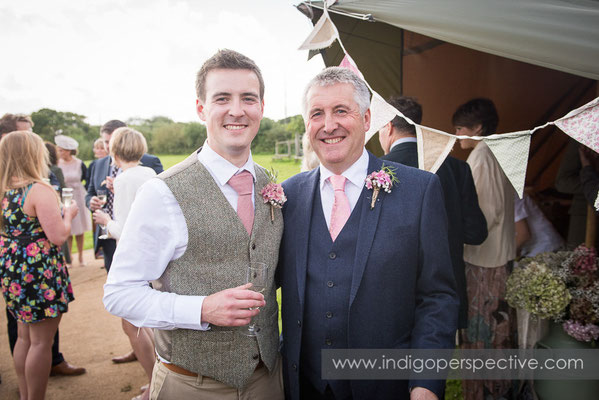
328 283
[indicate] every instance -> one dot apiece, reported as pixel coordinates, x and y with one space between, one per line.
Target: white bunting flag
381 113
323 34
582 124
511 151
433 147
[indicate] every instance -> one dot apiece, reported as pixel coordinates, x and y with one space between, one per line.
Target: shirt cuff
188 313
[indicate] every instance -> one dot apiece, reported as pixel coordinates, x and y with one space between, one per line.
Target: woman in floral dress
35 281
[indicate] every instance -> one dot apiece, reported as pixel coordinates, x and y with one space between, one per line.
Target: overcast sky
110 59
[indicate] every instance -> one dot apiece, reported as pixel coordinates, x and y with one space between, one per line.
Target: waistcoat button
330 284
332 255
329 314
328 342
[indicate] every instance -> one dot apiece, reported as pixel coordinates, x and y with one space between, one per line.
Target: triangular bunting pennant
323 34
582 124
511 151
433 147
350 64
381 113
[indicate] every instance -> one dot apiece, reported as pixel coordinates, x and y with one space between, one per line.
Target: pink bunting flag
350 64
582 124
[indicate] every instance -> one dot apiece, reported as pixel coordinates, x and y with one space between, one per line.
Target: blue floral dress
35 281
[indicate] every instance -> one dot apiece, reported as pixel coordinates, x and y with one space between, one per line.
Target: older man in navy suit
355 276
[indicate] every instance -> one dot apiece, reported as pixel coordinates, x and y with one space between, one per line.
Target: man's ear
200 110
367 120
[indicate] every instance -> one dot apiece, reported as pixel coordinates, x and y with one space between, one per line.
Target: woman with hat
74 172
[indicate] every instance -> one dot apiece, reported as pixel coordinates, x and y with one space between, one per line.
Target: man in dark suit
357 273
466 221
102 175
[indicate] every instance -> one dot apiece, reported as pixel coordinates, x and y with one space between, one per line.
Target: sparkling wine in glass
67 197
257 275
103 197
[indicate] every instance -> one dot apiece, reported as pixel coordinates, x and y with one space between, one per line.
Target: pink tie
341 210
243 183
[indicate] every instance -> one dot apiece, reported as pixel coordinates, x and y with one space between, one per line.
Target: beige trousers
168 385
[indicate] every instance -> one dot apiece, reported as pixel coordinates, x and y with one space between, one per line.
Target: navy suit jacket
100 169
403 290
467 224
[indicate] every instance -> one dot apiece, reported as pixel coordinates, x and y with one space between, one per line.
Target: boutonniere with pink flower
273 193
382 179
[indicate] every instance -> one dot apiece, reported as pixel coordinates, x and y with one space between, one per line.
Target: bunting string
510 149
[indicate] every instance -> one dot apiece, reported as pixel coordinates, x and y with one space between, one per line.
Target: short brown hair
128 144
226 59
477 111
111 125
408 107
8 122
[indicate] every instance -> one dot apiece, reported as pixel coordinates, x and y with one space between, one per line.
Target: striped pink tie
243 183
341 210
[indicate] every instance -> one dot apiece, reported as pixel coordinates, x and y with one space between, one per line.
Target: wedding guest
491 321
35 281
101 178
99 152
127 146
60 366
57 182
74 171
192 232
466 222
357 273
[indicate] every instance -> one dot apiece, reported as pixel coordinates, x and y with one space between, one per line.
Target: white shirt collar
221 169
403 140
356 173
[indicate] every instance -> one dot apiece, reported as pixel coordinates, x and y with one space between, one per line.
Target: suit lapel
307 191
367 228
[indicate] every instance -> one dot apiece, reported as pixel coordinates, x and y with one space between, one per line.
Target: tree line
164 136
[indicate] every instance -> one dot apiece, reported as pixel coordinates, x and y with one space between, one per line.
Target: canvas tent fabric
443 75
561 35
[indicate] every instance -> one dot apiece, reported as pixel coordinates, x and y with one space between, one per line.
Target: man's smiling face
335 126
232 111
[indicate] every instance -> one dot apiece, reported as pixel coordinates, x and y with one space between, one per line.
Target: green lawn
285 169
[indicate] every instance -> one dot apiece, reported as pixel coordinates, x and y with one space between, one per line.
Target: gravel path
89 337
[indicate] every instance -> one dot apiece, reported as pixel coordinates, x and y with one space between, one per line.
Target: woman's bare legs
20 356
79 239
143 347
33 357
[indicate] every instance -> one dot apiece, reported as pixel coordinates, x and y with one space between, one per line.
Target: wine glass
257 275
103 197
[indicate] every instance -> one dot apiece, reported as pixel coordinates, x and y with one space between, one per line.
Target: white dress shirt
154 234
403 140
355 175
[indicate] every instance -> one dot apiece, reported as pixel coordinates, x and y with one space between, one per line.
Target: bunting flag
323 34
582 124
350 64
381 113
433 147
511 151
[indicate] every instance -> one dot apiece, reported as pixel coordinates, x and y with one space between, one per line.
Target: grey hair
333 75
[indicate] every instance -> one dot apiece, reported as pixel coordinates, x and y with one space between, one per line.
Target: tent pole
591 232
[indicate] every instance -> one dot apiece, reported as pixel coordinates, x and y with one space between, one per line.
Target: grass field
285 169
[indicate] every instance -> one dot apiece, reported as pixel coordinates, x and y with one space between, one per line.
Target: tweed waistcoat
218 252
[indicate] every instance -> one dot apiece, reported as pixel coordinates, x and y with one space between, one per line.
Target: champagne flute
67 196
103 197
257 275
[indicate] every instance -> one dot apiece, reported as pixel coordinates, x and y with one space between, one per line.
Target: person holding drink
74 172
193 232
127 146
35 281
